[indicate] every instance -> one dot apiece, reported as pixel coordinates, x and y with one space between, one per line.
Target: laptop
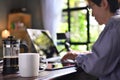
44 44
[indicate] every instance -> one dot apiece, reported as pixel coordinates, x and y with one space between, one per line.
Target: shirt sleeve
105 53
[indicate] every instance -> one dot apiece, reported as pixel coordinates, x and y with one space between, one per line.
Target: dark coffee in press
10 65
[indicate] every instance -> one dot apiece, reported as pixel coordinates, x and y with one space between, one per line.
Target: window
77 20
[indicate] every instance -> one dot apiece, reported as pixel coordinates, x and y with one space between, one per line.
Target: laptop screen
42 42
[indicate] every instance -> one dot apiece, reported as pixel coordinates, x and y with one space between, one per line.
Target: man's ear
105 4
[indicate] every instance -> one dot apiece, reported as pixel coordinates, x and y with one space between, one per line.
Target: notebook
44 44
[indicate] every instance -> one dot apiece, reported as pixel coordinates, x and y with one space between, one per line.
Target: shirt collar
117 12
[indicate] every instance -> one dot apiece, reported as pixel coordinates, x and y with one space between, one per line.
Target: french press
10 55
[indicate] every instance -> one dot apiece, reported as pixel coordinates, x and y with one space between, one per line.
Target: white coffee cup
29 64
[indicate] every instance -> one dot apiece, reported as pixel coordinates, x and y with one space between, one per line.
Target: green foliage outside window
78 29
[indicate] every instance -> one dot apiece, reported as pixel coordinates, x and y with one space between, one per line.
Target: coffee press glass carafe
10 55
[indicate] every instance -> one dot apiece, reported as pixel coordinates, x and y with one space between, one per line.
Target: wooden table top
44 75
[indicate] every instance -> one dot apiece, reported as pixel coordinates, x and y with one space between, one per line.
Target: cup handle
43 63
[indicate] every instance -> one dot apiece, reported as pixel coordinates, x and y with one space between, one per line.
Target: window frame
69 11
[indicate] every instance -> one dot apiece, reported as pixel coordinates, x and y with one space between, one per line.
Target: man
104 59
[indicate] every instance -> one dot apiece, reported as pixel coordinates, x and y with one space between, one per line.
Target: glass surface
79 47
65 4
42 41
78 26
63 27
74 3
61 48
77 3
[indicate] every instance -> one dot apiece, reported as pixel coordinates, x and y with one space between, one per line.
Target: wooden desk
44 75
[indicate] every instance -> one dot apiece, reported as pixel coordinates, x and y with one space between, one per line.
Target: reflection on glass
42 42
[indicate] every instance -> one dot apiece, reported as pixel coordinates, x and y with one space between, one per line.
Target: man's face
98 12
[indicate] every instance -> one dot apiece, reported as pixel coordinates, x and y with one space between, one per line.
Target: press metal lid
10 40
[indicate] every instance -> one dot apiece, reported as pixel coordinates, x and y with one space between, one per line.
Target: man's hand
70 55
73 54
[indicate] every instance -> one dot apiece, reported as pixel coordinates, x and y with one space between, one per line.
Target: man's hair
114 4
